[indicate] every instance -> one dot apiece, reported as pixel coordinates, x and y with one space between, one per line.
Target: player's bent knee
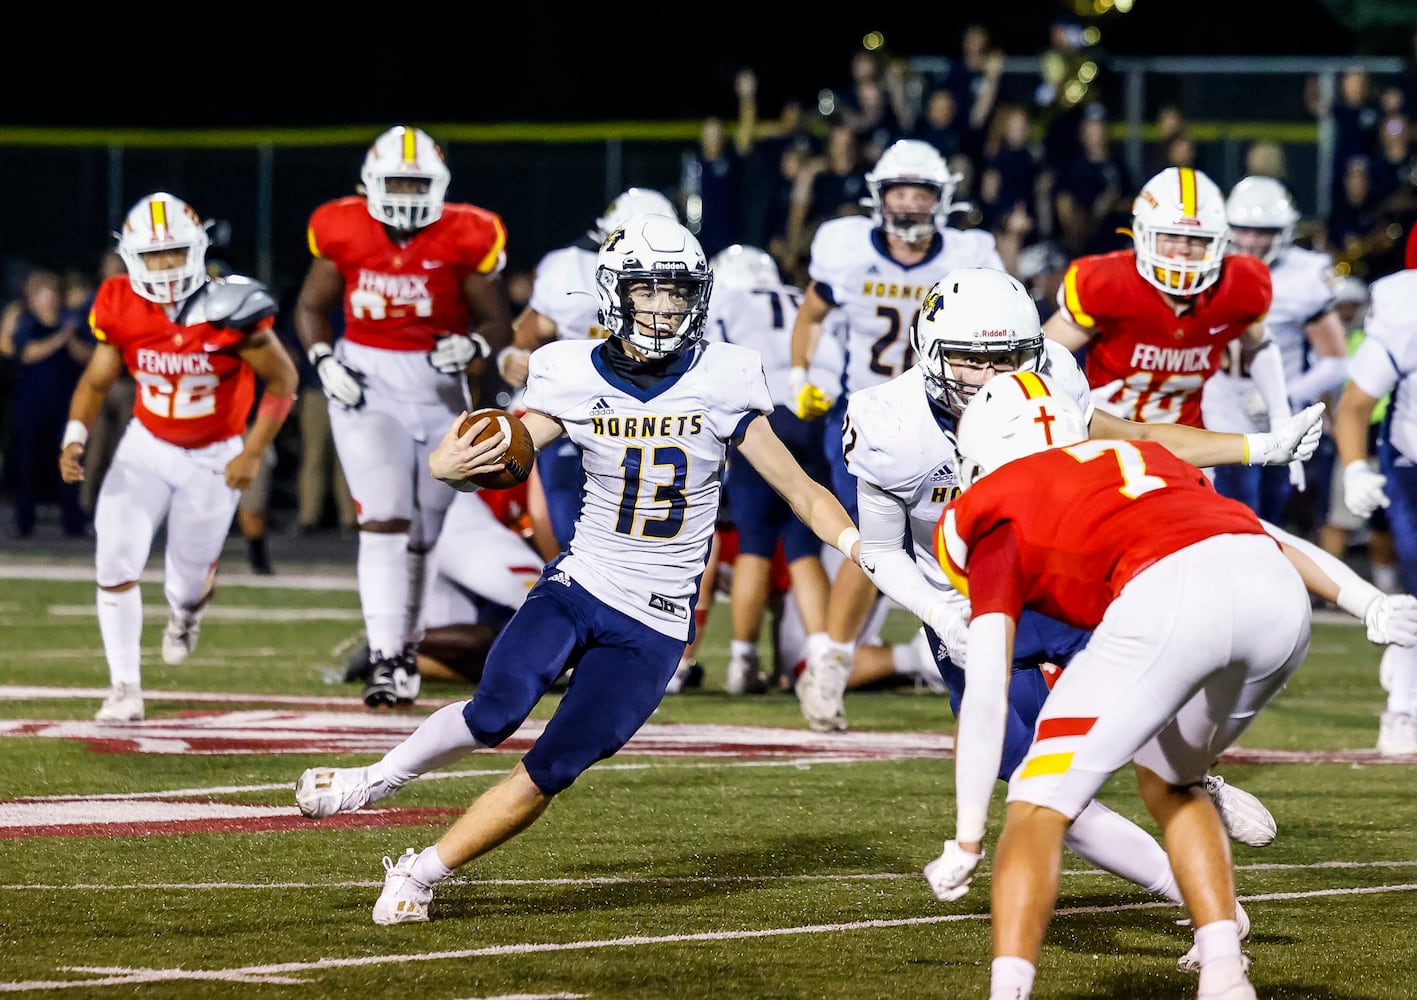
118 588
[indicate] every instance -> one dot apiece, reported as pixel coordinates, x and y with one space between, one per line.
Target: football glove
1363 488
1392 620
1294 439
953 630
808 401
344 387
455 351
949 875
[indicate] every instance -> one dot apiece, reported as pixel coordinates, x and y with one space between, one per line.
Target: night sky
170 65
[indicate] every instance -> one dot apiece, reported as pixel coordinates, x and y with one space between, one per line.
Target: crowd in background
1046 176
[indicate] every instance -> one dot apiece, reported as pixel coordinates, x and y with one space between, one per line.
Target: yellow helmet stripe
1188 192
410 146
1033 386
157 211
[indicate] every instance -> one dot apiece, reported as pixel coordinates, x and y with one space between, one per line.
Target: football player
654 410
875 271
1384 365
1182 655
1303 322
1155 320
195 345
423 304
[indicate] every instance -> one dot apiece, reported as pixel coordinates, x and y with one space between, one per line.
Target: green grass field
728 852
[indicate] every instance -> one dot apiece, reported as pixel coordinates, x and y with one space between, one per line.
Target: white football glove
1392 620
344 387
1294 440
949 874
953 630
455 351
1363 488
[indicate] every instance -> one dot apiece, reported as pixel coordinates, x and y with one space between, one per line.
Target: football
519 454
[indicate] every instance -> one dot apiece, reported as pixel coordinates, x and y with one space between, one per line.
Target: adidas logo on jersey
601 408
561 577
945 473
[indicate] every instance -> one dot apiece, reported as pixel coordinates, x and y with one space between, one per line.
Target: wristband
318 352
1357 597
506 354
275 407
845 540
74 433
1252 449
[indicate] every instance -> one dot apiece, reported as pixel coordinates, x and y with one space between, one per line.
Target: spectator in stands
1266 159
831 185
1012 169
1354 223
1355 116
874 105
1041 267
1093 193
48 343
940 124
709 187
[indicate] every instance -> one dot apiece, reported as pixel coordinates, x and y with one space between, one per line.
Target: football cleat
688 674
1191 960
745 676
123 704
325 791
393 681
179 639
821 691
404 899
1397 734
1245 817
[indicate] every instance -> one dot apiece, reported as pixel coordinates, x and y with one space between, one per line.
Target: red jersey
1144 362
1064 530
402 298
192 391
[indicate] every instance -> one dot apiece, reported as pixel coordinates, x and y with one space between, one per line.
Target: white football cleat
745 676
1397 734
688 674
1245 817
325 791
1191 960
123 704
821 691
179 639
404 899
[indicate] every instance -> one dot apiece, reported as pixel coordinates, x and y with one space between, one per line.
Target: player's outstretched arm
1292 440
1391 619
812 502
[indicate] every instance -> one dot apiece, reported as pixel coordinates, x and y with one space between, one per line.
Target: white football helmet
658 251
405 154
162 222
1180 201
911 161
1014 415
631 201
1261 203
974 315
741 266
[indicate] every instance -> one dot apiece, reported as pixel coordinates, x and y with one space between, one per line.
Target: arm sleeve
1324 377
884 521
983 721
1267 372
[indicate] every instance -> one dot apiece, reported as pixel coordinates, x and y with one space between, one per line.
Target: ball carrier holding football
654 410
